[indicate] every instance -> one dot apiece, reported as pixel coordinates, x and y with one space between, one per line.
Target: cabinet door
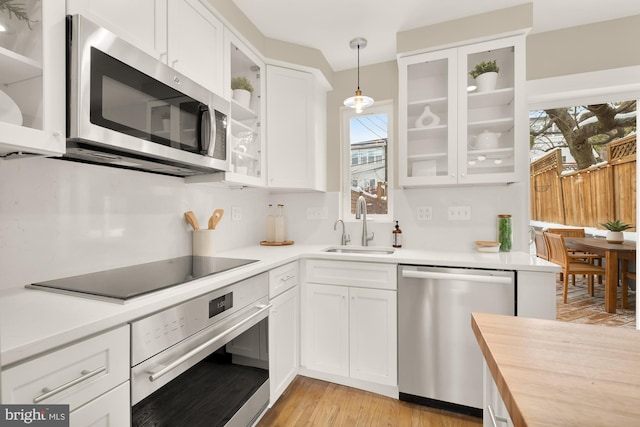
290 128
327 329
428 118
142 22
283 342
32 72
248 135
492 122
195 40
373 342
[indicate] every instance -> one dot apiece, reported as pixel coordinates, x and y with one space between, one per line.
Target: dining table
613 253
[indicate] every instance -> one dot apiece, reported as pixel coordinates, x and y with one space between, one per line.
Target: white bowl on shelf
9 110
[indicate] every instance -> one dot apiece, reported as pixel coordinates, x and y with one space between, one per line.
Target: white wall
59 218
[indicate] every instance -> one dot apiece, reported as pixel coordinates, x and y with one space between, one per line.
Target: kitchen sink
373 250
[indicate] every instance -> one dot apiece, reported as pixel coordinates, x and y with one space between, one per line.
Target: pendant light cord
358 66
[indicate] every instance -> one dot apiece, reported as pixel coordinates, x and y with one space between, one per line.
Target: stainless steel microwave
128 109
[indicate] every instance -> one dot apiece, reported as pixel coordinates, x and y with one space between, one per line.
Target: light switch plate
459 213
317 213
236 213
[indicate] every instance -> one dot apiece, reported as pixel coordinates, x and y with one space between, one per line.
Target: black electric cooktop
122 284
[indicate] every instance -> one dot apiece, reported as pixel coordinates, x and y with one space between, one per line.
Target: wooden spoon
215 218
190 217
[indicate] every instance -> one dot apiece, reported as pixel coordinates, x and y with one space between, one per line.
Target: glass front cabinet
32 75
457 129
247 137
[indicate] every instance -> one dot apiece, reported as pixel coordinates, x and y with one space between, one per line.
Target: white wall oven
203 362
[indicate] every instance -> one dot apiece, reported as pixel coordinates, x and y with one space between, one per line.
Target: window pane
368 172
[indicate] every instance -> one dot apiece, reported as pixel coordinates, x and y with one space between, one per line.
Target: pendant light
359 102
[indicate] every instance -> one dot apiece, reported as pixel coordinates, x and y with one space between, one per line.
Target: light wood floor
310 402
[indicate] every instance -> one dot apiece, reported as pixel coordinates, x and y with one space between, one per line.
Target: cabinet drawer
73 375
283 278
110 410
347 273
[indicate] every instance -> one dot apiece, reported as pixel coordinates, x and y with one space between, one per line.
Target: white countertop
34 321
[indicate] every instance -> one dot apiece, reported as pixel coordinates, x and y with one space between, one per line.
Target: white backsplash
60 218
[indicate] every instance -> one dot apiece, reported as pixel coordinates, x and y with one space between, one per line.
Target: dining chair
541 246
587 256
558 254
624 282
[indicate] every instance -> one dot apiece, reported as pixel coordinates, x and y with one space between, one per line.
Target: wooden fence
377 205
590 196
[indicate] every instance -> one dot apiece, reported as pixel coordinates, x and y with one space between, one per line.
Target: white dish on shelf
9 110
424 168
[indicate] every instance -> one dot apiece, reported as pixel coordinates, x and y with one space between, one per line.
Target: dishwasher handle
479 278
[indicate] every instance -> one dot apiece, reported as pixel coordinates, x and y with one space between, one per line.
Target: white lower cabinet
283 342
111 409
284 328
494 413
91 376
350 324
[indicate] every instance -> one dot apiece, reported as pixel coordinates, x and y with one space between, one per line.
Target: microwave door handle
213 130
204 119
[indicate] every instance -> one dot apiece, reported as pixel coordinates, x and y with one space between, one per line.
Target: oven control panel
151 335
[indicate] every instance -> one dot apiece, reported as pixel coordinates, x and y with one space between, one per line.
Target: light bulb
482 158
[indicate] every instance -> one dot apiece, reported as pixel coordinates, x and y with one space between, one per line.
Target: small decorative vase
615 237
486 82
242 96
427 118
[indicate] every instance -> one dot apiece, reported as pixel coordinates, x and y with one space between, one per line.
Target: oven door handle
171 366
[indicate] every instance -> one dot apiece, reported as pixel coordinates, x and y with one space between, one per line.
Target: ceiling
329 25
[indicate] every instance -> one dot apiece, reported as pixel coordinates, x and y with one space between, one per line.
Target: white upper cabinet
248 154
196 43
296 129
182 33
143 23
453 132
32 75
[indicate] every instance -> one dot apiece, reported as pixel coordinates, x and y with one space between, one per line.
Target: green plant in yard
484 67
241 83
616 225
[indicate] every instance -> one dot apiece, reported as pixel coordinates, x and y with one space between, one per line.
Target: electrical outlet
317 213
423 213
459 213
236 213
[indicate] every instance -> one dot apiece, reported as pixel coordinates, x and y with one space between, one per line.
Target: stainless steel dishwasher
440 363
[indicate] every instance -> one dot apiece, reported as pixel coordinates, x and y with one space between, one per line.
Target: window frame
380 107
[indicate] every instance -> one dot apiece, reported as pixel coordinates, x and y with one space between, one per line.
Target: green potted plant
486 75
242 90
614 235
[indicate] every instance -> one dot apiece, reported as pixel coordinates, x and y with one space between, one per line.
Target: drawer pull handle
287 278
495 418
85 375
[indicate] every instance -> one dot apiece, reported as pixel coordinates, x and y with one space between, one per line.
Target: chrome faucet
344 238
361 210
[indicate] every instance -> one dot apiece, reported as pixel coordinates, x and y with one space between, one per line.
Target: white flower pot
615 237
242 96
486 82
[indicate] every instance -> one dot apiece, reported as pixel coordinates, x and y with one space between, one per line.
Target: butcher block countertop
552 373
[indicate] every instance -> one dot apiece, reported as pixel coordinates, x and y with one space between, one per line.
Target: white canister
204 242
